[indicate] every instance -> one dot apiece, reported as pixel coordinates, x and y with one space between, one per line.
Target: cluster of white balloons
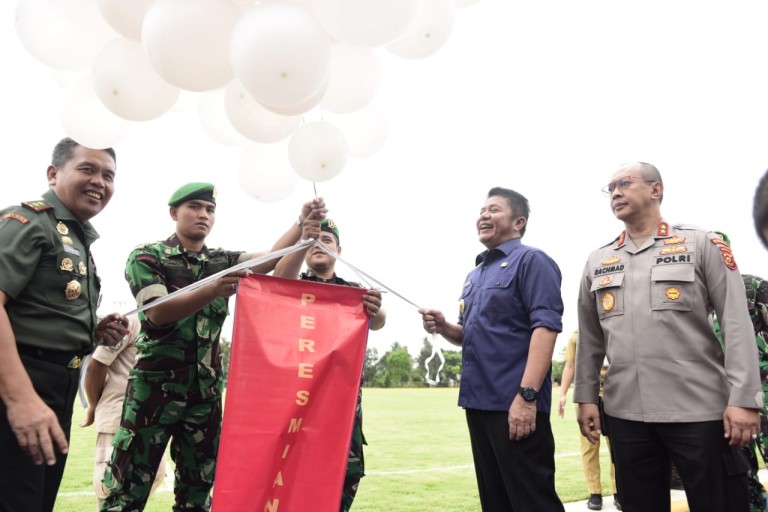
259 66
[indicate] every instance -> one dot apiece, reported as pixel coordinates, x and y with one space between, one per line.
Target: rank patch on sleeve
15 216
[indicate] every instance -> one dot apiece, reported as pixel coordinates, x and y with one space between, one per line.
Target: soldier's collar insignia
662 229
622 239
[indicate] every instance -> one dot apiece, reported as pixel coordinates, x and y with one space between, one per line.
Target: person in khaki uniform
590 453
671 393
106 377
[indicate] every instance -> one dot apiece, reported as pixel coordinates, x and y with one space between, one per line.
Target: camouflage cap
204 191
331 227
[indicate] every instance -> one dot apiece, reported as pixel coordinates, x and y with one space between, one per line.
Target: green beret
331 227
204 191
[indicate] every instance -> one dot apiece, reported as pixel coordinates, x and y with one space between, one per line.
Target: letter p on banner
262 415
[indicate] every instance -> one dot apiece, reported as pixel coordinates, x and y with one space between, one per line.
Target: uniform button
498 283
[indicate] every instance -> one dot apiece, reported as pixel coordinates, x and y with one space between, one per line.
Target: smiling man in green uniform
174 392
49 291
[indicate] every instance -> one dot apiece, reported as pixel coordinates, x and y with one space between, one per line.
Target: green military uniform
175 388
355 462
53 293
757 302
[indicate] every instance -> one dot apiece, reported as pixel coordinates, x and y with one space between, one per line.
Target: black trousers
713 473
24 486
513 476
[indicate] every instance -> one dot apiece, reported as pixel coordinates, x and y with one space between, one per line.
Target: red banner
297 356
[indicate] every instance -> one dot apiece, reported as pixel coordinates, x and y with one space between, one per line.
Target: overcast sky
547 98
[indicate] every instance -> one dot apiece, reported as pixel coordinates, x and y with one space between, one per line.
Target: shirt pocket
672 287
609 295
497 295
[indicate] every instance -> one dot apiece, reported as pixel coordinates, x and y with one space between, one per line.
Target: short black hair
517 202
64 151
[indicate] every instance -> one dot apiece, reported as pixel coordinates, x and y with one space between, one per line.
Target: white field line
167 485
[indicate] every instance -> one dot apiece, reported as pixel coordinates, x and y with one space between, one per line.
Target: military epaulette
37 206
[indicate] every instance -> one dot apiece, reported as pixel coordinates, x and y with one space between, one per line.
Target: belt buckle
75 363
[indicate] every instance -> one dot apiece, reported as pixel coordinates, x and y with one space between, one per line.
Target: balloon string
436 351
244 265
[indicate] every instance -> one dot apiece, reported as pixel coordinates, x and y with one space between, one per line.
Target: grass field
417 459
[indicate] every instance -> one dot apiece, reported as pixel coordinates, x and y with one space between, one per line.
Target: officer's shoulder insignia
15 216
146 257
725 251
37 206
662 229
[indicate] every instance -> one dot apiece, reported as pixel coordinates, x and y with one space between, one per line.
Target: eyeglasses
622 184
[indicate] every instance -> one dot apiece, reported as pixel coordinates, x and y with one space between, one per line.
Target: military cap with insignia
204 191
329 226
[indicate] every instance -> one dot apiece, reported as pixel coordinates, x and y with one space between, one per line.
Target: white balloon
124 16
188 41
265 174
253 120
366 130
85 119
300 108
214 120
354 78
318 151
127 85
280 53
63 34
429 32
366 22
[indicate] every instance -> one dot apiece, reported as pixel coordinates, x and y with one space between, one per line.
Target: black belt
71 360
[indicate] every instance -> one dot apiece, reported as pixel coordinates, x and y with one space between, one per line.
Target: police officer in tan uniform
49 291
670 393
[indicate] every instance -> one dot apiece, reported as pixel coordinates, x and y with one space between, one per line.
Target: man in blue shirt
510 313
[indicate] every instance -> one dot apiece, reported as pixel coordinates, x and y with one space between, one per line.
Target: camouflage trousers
162 406
757 495
355 463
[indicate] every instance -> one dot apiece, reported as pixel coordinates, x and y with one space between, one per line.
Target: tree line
396 368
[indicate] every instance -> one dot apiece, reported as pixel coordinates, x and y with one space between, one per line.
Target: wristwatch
529 394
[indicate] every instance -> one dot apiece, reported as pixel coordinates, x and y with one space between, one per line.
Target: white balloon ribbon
244 265
436 351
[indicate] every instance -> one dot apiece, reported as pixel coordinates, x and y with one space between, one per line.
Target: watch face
528 394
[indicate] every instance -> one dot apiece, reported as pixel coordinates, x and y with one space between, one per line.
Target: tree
398 366
370 367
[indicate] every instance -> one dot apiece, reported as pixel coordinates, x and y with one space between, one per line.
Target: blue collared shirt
513 290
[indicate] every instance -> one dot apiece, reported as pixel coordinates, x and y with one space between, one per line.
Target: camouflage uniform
355 462
757 301
174 391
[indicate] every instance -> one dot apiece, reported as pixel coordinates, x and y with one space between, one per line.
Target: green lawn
417 459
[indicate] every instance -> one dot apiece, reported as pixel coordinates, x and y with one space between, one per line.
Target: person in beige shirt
671 394
106 377
590 452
